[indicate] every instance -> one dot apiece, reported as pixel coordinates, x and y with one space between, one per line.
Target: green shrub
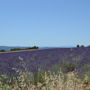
39 77
2 50
15 49
68 67
34 47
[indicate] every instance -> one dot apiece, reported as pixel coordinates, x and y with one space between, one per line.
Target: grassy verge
44 81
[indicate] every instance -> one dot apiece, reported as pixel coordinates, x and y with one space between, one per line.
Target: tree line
17 49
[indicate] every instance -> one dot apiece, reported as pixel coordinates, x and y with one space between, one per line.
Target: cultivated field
49 69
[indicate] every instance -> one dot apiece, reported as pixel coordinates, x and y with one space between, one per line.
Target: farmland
45 59
65 59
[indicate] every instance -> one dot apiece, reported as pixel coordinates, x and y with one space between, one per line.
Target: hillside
7 48
46 59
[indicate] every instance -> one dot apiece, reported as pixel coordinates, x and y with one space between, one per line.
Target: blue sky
44 22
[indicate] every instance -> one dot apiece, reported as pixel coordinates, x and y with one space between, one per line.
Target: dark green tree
78 46
82 45
2 50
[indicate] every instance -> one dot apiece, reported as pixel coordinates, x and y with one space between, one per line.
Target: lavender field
47 69
47 59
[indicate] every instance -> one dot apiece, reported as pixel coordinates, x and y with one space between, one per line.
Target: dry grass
19 51
50 81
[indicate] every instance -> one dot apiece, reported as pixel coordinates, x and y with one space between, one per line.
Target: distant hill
7 48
